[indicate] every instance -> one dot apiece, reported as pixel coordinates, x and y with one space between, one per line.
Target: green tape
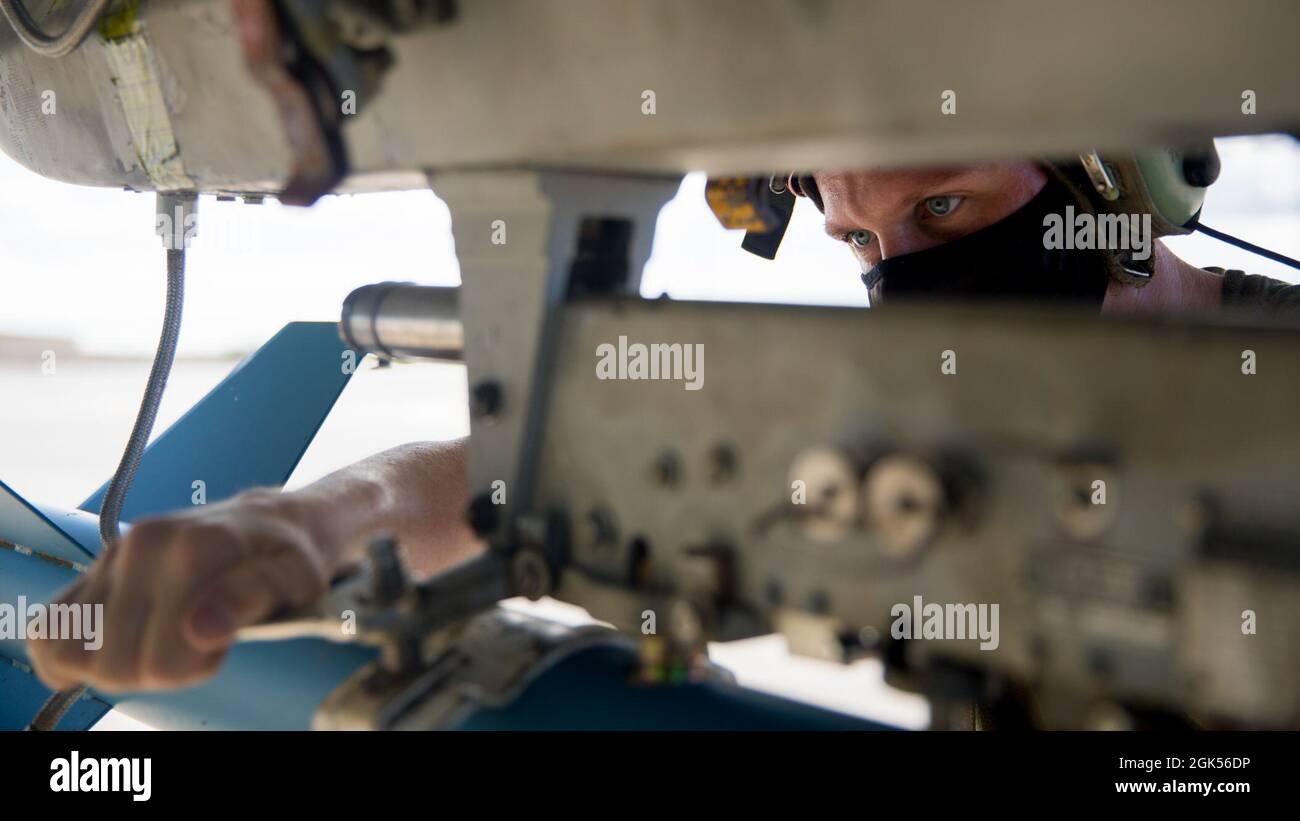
121 20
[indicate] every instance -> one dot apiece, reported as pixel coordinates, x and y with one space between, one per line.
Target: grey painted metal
516 235
398 320
739 85
1202 462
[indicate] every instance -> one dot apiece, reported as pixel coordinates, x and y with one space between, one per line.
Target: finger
251 592
53 670
116 664
63 663
168 657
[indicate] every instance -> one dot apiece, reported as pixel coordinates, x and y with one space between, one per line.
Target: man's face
883 214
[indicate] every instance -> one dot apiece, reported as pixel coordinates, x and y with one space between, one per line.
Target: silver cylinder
401 320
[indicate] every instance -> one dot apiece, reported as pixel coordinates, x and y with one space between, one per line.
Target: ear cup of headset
1167 183
1201 169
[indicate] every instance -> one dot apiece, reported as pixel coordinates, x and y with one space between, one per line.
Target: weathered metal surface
1201 462
738 85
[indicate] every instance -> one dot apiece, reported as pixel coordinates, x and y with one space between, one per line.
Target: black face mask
1005 261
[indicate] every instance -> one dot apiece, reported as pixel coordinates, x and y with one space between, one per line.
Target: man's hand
176 589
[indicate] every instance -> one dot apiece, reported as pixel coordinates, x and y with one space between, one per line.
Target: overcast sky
84 262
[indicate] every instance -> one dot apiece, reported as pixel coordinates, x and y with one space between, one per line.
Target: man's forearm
418 492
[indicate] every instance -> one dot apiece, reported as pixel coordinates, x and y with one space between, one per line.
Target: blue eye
859 238
942 206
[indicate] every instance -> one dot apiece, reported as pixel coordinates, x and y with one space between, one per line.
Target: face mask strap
872 276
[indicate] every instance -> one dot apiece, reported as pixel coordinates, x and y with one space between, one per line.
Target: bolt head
1072 499
667 469
485 400
530 574
482 515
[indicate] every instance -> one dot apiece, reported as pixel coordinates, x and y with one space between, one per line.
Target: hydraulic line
110 512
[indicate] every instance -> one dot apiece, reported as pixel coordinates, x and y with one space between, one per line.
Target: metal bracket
518 236
493 659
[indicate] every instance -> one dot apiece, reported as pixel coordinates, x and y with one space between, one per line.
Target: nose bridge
900 237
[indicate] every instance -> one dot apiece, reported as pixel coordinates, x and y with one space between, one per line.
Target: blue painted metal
83 527
277 686
261 686
23 523
592 690
24 694
35 578
249 431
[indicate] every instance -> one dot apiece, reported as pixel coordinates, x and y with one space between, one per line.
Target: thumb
249 593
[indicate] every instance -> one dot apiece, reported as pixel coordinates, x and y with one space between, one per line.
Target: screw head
530 574
723 463
1074 488
482 515
486 399
667 469
597 528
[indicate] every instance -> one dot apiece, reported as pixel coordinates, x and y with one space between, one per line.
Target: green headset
1166 183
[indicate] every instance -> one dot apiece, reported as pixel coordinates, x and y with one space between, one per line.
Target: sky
83 263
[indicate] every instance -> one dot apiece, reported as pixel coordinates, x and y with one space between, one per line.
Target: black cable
1248 246
51 45
110 512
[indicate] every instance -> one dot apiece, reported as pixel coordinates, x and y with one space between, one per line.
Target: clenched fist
176 588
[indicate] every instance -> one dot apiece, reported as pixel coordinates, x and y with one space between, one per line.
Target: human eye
860 238
942 206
